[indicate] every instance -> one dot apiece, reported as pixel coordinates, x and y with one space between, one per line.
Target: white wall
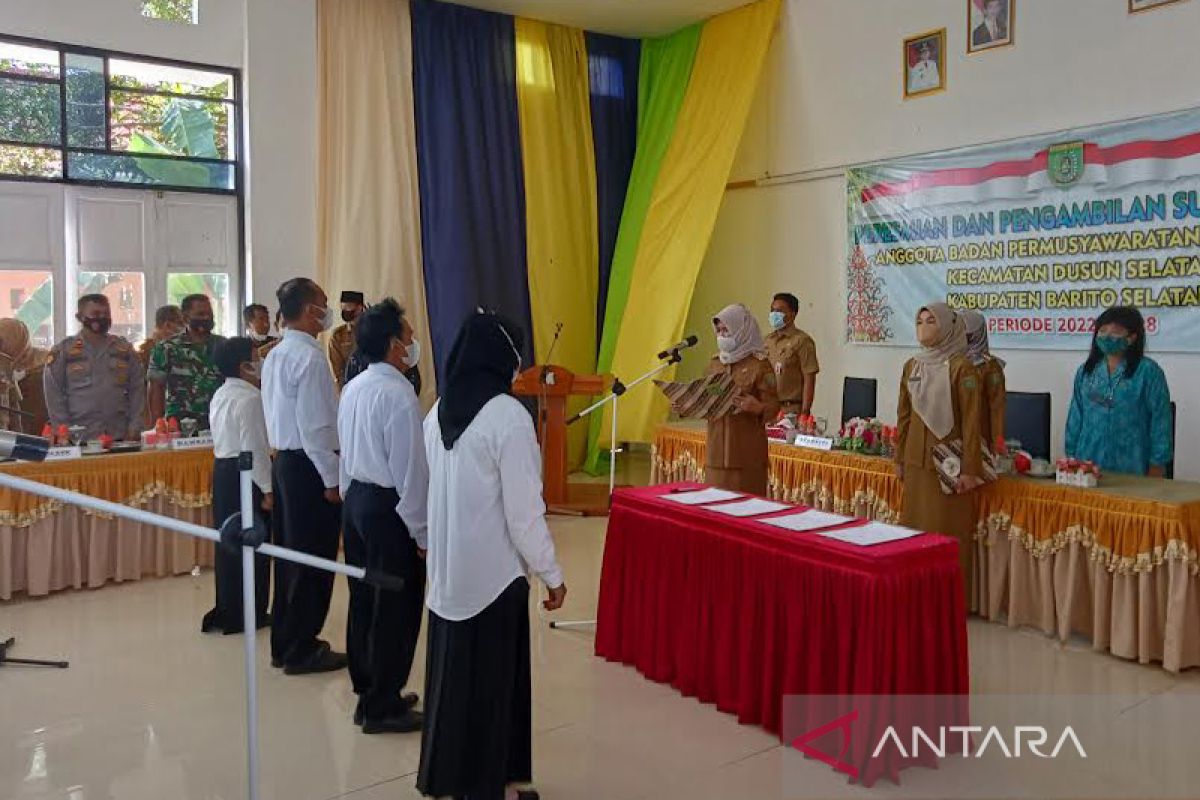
274 42
831 96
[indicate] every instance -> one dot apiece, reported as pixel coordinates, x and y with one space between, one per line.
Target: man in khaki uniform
94 379
792 353
341 341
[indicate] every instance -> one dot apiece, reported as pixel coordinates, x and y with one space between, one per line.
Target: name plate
64 453
191 443
814 442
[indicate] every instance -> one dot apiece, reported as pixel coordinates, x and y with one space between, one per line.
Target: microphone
675 348
545 377
23 447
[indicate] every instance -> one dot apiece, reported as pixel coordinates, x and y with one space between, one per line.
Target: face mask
726 344
255 336
348 316
414 353
776 319
99 325
1112 345
18 375
326 316
201 325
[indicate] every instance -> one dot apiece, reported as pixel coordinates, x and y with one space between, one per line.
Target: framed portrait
989 24
924 64
1145 5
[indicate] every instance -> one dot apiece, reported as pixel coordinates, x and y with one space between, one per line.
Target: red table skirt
742 615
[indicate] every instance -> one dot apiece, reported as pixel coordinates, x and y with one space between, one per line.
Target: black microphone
675 348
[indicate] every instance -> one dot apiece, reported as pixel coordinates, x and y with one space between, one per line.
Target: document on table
748 508
870 534
808 521
701 496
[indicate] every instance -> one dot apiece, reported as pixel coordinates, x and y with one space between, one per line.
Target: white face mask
255 336
327 318
18 375
414 354
726 344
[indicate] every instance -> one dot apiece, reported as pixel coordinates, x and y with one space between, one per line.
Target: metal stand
245 530
25 662
614 396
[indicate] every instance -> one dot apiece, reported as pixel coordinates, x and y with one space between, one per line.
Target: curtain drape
469 152
687 197
369 226
560 199
613 87
665 67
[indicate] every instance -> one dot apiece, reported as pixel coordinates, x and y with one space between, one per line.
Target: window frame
236 135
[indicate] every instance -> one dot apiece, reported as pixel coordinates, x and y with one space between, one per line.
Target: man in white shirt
238 426
487 527
301 408
384 480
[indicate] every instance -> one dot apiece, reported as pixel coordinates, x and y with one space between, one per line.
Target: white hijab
742 326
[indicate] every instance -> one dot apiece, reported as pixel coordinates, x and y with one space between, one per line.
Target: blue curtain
613 75
469 157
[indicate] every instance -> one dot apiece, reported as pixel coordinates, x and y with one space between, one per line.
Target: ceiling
622 17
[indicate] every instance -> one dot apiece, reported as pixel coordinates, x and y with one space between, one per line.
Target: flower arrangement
868 436
1073 472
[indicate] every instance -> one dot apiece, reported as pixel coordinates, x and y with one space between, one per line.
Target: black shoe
323 660
408 722
407 701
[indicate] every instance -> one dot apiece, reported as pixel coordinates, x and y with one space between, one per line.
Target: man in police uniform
341 341
183 375
793 355
94 379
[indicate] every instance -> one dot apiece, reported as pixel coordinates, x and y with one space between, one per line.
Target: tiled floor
152 710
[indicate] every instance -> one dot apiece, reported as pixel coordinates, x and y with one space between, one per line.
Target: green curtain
663 76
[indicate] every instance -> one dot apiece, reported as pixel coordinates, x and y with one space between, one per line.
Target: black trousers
226 614
478 734
309 523
381 626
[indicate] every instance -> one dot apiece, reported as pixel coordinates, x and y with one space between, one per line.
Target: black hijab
482 363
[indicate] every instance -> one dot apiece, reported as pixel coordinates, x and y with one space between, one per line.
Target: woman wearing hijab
487 528
940 401
21 366
737 442
991 373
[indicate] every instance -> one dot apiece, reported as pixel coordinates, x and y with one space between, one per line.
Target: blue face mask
776 319
1112 345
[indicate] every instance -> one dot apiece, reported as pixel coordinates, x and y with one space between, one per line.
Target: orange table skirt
1119 564
46 545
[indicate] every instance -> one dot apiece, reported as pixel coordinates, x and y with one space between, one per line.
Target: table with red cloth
743 614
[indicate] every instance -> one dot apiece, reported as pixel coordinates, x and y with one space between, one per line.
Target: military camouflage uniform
189 373
100 387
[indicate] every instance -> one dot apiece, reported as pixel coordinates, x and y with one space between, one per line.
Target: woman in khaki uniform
991 373
737 442
940 401
21 367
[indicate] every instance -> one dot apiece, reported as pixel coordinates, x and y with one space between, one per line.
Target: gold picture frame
1138 6
918 81
975 22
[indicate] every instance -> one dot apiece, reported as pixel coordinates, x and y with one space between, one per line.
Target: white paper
748 508
808 521
870 534
701 496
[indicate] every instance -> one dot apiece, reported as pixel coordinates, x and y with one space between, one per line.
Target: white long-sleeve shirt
379 426
487 521
238 425
301 402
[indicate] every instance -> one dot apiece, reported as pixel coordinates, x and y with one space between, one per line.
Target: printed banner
1040 235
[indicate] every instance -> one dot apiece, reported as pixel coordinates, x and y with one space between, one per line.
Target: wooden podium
552 386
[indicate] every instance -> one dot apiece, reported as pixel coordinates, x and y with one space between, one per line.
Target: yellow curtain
560 198
369 211
687 197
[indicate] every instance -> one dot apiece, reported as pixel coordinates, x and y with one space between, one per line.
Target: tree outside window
171 10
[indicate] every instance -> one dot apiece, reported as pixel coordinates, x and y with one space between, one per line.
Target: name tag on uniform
814 442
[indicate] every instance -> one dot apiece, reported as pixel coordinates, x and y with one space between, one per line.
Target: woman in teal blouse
1120 414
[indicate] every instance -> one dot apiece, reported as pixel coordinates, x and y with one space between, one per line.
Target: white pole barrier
248 534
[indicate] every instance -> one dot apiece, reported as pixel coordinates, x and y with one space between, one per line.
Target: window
84 116
30 295
171 10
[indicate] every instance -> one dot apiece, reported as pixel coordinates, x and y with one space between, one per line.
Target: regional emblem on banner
1065 164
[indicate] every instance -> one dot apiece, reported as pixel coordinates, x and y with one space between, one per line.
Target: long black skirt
226 614
478 735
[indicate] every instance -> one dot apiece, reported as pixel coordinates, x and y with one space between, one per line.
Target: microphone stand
618 389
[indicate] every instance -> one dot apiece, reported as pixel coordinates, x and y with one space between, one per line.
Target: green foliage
173 10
